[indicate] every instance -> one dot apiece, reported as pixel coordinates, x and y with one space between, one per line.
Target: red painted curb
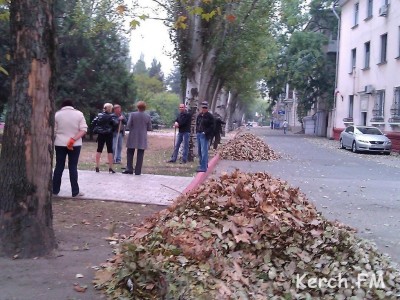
201 176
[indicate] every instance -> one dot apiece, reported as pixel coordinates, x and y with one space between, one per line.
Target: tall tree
140 66
298 55
27 151
173 81
155 70
93 55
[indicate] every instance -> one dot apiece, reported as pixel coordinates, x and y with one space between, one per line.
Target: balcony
332 47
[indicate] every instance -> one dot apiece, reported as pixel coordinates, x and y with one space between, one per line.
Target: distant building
368 80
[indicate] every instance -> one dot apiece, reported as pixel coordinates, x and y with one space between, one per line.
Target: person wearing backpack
104 125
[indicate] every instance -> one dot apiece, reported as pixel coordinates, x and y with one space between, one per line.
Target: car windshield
368 130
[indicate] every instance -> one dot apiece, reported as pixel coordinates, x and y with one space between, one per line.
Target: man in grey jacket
138 124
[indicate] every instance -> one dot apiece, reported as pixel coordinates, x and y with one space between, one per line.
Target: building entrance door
364 118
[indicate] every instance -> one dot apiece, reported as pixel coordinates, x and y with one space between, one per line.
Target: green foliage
299 57
173 81
139 67
94 57
155 119
166 105
155 70
257 110
153 92
310 69
147 87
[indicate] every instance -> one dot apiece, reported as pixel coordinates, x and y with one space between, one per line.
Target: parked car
365 138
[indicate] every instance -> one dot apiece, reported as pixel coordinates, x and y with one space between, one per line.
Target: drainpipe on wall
337 68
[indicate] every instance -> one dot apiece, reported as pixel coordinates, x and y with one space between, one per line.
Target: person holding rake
118 134
182 122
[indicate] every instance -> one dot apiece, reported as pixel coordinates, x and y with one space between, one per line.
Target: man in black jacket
183 123
204 132
217 131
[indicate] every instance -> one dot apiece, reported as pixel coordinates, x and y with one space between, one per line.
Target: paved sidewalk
146 188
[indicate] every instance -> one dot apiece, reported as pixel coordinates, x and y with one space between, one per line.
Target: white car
365 138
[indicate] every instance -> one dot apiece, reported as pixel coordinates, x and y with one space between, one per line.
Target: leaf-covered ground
246 236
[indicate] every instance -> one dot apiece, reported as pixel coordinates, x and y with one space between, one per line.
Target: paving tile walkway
146 188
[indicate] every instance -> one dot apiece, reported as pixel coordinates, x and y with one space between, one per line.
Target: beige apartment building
368 67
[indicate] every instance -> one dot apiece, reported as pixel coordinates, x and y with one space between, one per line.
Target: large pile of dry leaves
246 236
246 146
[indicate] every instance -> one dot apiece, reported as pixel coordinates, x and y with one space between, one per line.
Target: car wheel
354 147
341 144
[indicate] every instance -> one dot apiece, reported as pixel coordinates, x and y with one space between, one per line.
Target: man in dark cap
204 132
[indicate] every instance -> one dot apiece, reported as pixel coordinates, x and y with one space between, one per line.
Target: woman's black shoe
127 172
97 170
111 171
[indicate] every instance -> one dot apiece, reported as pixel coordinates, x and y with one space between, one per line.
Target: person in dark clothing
204 132
182 122
104 125
216 139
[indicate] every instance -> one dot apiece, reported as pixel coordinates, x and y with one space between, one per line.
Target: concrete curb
201 176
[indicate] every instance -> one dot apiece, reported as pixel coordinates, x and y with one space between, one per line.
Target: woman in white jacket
70 126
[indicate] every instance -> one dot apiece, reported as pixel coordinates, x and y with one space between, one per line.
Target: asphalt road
359 190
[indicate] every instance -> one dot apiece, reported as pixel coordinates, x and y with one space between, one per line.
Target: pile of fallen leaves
246 146
246 236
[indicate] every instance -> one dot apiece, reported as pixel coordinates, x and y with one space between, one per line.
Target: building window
383 48
351 106
395 109
379 105
367 47
353 59
398 46
370 6
356 11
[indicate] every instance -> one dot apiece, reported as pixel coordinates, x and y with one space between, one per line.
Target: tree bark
26 216
231 107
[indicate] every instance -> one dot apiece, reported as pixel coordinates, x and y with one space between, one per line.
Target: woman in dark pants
70 126
104 125
138 124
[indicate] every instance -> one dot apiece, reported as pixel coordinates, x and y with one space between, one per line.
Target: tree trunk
217 91
222 103
231 106
193 77
26 216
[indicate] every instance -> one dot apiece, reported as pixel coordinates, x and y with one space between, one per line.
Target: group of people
110 129
284 125
110 126
208 132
